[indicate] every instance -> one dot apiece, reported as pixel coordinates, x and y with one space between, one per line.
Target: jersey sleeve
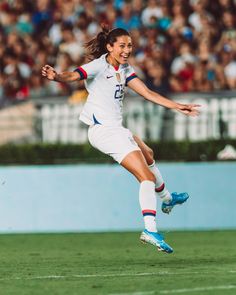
130 74
89 70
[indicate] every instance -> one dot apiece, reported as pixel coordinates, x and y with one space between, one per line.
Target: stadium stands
179 45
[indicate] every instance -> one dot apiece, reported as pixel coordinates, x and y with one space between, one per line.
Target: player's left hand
189 109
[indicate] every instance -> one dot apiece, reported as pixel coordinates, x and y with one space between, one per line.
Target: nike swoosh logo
108 77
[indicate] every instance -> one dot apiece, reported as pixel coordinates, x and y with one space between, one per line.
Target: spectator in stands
15 86
228 36
209 68
164 22
178 19
2 53
127 20
156 79
12 62
108 18
226 5
137 7
153 9
82 30
199 10
42 17
54 32
1 89
230 73
182 68
69 43
37 86
68 11
209 29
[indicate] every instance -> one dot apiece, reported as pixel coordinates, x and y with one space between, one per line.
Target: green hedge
71 153
190 151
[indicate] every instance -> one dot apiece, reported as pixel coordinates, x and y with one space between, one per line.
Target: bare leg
146 150
135 163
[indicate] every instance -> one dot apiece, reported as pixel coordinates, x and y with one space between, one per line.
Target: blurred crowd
179 45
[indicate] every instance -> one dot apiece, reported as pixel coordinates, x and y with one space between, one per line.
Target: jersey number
119 91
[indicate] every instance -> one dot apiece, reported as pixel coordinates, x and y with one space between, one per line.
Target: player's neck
112 61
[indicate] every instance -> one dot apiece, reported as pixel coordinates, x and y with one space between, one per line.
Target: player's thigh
146 150
136 164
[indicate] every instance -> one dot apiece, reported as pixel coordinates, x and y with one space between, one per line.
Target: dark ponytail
97 46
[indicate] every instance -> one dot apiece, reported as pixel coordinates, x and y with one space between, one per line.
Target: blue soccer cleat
155 239
177 199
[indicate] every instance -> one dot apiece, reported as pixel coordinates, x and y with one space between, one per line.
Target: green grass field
117 263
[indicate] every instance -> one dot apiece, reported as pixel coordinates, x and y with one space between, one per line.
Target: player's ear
109 47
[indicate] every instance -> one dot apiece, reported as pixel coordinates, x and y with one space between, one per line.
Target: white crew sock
160 188
148 204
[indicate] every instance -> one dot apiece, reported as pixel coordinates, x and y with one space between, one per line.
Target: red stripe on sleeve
83 72
132 75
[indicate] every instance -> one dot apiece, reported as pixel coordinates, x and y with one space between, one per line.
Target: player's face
120 51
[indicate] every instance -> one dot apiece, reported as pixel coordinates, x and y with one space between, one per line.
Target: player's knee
150 156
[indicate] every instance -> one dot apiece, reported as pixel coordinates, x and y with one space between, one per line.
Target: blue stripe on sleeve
131 77
82 73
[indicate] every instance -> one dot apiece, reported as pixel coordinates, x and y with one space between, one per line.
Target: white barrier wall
105 198
60 122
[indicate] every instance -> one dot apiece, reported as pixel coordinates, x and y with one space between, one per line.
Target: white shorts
116 142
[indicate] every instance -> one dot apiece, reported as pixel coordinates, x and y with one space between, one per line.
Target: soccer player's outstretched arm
139 87
51 74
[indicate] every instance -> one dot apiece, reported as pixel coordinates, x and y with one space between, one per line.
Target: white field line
84 276
135 293
177 291
209 288
144 274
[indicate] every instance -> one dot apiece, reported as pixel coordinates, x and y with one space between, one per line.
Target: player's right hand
49 72
188 109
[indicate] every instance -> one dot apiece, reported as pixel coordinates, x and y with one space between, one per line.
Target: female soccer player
106 77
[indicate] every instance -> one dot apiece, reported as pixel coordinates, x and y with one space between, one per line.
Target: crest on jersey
118 77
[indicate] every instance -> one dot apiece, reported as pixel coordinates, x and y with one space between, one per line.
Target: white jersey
105 85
